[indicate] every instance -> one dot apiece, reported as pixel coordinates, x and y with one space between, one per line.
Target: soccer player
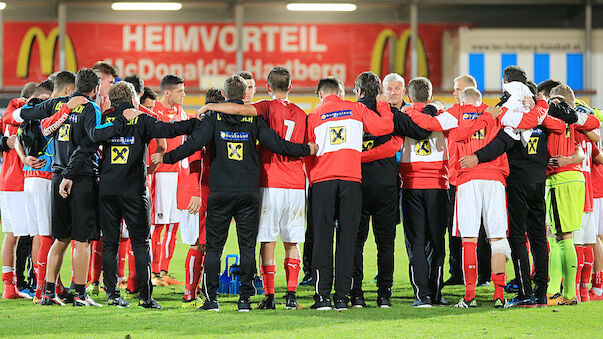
335 174
234 185
282 185
76 217
166 214
251 89
148 98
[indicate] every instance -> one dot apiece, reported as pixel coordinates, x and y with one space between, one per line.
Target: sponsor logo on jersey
72 118
423 147
537 131
119 154
479 135
337 135
336 114
234 136
235 150
533 145
471 115
367 145
64 132
123 141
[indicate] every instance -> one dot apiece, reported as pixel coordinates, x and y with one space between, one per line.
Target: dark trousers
425 215
455 244
135 211
379 203
309 237
526 207
244 207
23 262
329 199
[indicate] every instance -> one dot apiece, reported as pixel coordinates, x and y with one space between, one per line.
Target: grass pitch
21 318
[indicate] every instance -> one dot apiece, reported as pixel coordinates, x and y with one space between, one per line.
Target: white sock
7 269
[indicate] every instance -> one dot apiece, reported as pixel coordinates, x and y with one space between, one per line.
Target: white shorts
189 227
598 215
12 209
166 191
283 213
477 201
38 194
587 234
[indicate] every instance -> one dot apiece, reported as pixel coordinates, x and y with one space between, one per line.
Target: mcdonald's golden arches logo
46 46
401 47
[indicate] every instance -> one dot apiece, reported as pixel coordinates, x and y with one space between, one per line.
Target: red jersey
597 180
336 126
189 178
11 174
170 115
288 121
590 152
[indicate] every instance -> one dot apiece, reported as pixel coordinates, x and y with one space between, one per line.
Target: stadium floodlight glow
2 5
321 7
146 6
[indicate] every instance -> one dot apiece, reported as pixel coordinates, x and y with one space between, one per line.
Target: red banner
195 51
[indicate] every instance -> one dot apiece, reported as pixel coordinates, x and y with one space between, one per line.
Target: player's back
288 121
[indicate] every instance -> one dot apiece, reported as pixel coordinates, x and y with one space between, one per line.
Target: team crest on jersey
533 145
367 145
337 135
423 147
119 154
235 150
336 114
64 132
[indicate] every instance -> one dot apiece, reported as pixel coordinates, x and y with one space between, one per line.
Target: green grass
20 318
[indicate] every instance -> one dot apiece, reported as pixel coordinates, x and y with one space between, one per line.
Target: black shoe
307 280
341 304
322 303
441 302
384 302
210 305
244 304
540 300
119 302
268 303
67 297
48 300
512 286
291 301
454 280
520 302
422 303
483 282
358 300
150 303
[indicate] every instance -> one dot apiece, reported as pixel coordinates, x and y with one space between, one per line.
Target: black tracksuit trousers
380 204
244 207
425 219
526 207
134 210
309 237
329 199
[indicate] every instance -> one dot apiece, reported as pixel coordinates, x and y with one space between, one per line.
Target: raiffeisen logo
46 47
400 54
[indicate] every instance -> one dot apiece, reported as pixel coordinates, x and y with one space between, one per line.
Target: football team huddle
99 164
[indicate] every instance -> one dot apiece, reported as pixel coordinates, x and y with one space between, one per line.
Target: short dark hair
64 79
369 83
214 96
136 81
107 68
279 79
121 93
148 94
514 73
532 86
46 86
235 87
169 81
419 89
547 85
329 85
245 75
29 89
86 80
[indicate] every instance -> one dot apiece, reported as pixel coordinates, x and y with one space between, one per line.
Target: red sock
96 261
72 275
268 276
469 268
156 247
589 258
41 261
8 278
192 266
598 282
292 272
499 282
132 277
122 253
168 246
580 255
59 288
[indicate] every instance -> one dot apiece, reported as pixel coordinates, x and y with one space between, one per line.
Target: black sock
80 289
50 288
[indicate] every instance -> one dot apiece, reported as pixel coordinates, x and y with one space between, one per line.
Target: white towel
518 92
